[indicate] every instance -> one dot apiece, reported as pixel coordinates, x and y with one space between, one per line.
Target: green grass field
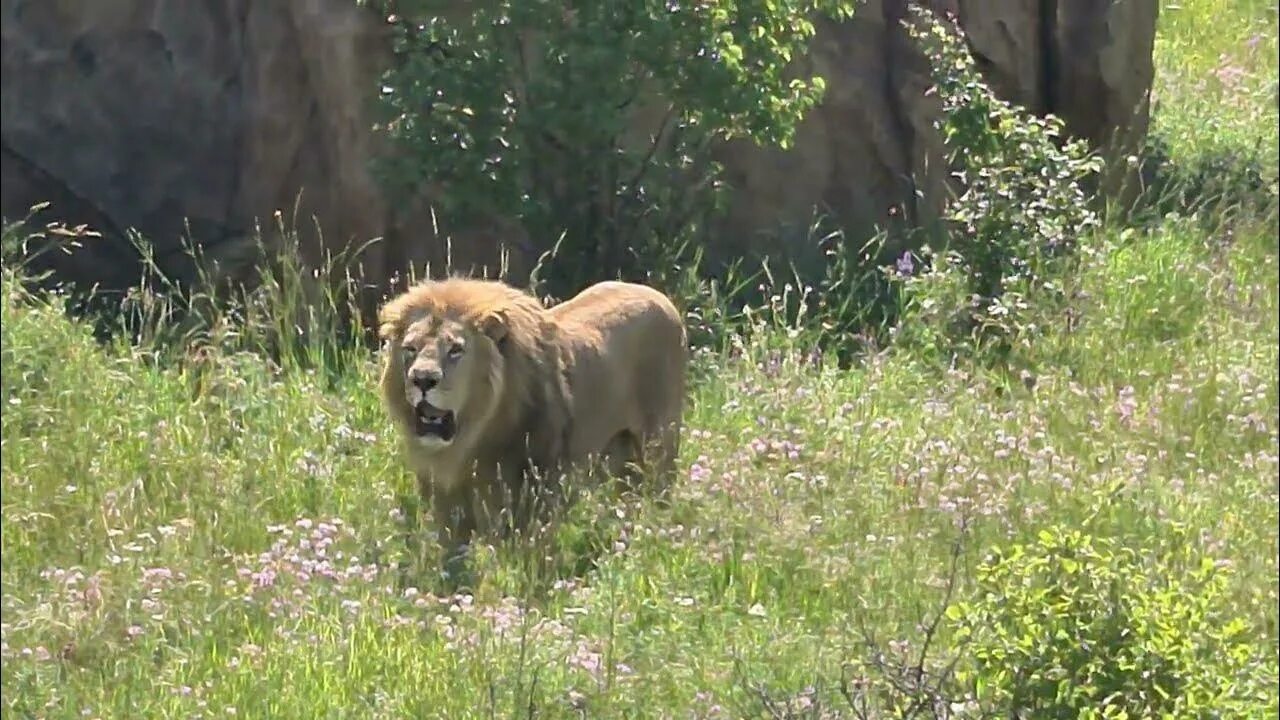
232 542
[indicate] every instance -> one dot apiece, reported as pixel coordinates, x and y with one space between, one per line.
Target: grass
1216 78
228 537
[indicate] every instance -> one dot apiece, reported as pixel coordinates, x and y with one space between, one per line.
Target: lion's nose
425 379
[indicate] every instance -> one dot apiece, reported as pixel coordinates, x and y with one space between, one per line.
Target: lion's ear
388 331
494 326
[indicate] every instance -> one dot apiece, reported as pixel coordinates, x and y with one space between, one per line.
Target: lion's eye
455 350
408 352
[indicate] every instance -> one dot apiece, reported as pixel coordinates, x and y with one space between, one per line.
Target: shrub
1074 626
1020 209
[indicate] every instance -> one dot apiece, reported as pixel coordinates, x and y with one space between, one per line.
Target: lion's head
447 349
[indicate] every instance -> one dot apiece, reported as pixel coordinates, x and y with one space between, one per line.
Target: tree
526 110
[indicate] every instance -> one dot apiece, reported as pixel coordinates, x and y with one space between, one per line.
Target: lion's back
626 356
619 308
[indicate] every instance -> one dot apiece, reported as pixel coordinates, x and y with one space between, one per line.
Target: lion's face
452 375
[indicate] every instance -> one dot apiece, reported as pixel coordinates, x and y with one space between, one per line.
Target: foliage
1228 181
1020 210
835 315
1074 626
529 110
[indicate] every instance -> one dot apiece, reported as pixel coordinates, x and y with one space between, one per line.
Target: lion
495 396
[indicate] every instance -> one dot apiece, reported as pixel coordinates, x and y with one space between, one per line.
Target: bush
1021 208
1074 626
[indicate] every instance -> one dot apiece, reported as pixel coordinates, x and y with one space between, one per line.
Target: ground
229 543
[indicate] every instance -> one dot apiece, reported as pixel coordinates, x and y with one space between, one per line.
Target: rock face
199 119
187 120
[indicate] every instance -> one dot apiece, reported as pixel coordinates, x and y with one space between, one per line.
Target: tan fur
601 374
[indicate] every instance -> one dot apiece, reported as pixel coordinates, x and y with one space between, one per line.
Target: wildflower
586 659
905 265
156 575
1126 404
264 578
699 471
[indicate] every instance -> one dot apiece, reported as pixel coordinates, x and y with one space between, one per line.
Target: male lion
495 395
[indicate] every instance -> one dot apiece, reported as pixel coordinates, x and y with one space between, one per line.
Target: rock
204 119
1101 76
868 157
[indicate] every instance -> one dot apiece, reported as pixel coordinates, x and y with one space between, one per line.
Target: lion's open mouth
431 421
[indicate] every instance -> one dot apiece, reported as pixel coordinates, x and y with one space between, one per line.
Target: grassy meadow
237 537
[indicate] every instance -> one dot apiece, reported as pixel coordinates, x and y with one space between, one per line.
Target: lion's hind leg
624 460
668 456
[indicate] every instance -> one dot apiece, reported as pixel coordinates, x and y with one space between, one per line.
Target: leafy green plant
530 110
1021 207
1075 626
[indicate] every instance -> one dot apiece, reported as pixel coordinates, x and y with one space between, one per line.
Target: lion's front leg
504 499
455 525
537 492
